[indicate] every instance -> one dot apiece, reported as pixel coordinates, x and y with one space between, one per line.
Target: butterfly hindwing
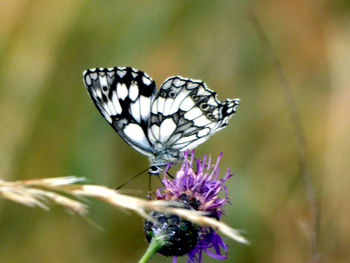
185 113
123 96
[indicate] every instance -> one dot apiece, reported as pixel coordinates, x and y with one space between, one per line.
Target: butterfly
159 124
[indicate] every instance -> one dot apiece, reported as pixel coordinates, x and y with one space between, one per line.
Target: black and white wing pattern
181 115
123 96
185 113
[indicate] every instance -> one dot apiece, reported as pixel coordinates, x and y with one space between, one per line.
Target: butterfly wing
123 96
185 113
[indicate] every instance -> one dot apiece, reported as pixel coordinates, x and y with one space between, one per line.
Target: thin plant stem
309 188
156 244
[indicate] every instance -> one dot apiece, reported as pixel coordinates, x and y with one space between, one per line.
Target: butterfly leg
149 182
172 177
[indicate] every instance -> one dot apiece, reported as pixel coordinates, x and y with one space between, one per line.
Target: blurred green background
49 126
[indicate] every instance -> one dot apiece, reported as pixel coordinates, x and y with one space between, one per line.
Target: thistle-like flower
196 187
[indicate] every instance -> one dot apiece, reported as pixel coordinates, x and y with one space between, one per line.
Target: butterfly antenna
131 179
172 177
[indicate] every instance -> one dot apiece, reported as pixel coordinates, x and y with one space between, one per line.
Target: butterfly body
160 124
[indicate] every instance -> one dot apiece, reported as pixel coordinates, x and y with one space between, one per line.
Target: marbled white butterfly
160 124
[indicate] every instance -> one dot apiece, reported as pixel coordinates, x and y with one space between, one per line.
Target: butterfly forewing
123 96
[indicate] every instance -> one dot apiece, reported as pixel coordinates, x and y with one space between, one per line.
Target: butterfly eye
204 106
153 168
194 97
172 94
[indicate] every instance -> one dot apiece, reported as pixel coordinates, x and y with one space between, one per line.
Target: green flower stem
156 244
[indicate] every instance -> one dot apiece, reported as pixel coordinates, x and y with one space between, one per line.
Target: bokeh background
49 127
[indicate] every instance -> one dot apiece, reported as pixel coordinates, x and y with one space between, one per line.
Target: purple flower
197 186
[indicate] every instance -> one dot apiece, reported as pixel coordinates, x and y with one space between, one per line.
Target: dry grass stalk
63 191
39 192
141 207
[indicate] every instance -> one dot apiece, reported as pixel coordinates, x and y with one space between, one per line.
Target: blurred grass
49 126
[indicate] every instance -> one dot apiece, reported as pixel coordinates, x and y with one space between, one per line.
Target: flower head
197 187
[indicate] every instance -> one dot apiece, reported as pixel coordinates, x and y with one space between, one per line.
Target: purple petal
214 255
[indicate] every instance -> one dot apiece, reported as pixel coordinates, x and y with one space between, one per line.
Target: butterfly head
161 159
155 170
